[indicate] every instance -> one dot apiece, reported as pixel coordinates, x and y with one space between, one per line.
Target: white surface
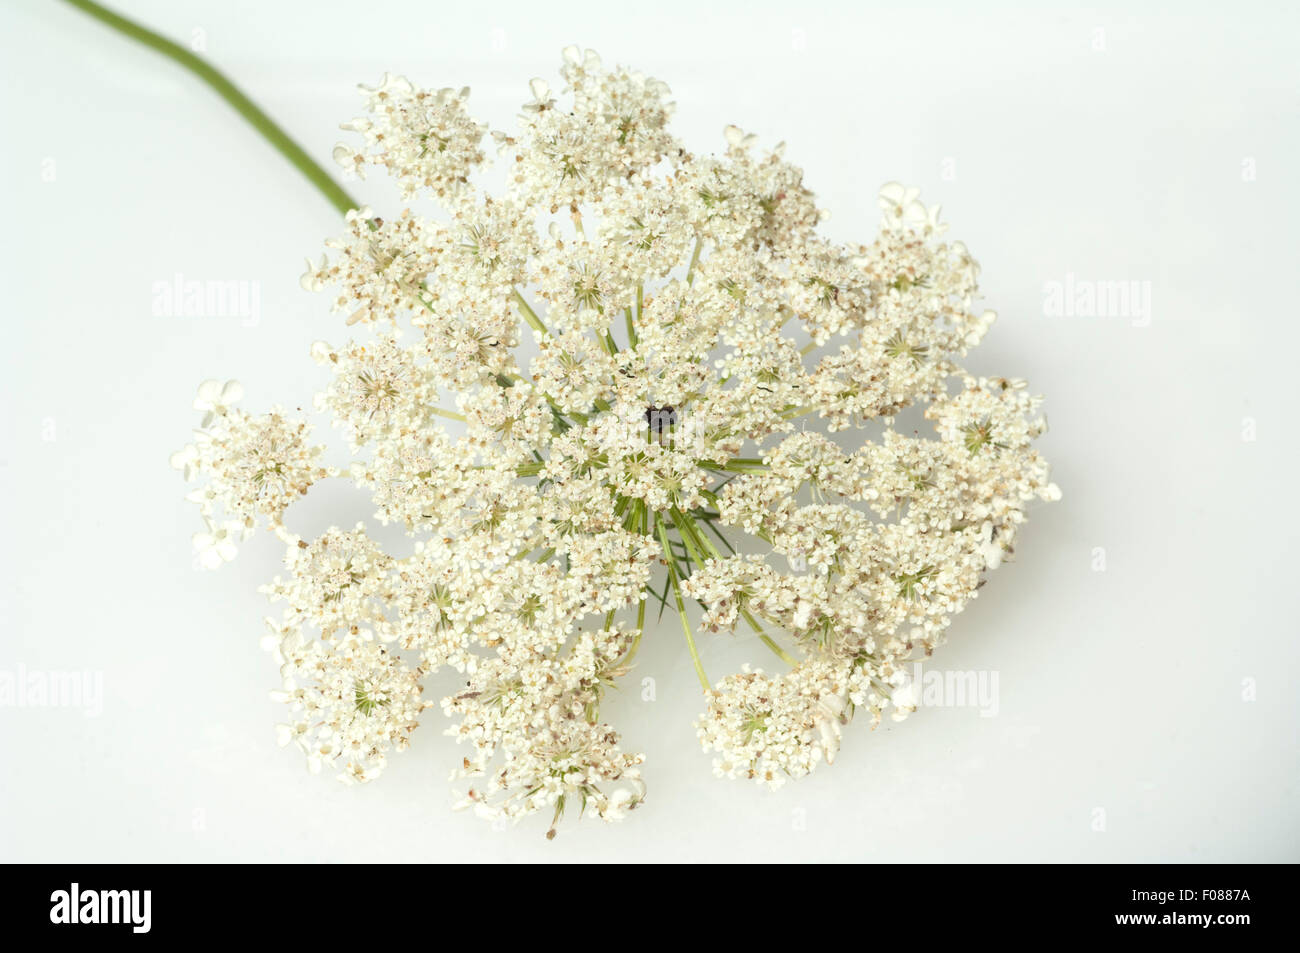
1120 690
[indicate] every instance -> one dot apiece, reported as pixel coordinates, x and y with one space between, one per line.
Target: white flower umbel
581 396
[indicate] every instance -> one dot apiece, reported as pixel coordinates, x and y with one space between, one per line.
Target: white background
1105 143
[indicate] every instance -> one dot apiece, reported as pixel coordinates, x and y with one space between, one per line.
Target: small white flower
899 204
905 699
217 544
216 398
313 279
186 460
542 99
992 551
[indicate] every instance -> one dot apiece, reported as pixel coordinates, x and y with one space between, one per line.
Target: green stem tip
227 90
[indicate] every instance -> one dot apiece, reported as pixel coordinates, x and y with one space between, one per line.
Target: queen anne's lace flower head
581 396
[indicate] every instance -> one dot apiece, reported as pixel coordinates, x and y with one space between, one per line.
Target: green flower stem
716 532
695 260
529 314
684 530
681 608
259 120
450 415
632 340
640 628
767 640
732 466
703 540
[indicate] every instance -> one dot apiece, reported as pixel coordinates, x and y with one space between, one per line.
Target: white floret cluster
632 379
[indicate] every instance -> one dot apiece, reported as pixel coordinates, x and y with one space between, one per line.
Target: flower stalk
219 84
